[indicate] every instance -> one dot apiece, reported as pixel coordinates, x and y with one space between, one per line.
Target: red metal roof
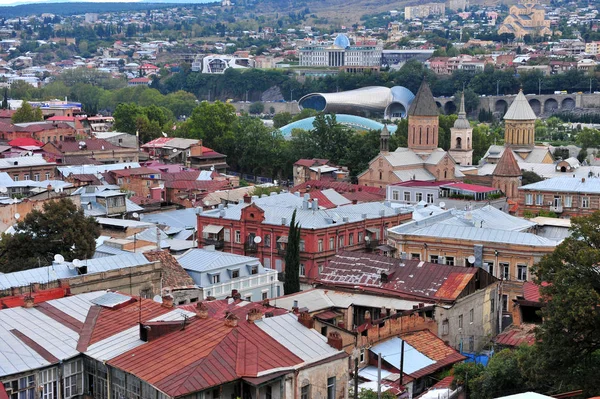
60 118
420 279
157 143
531 291
219 308
213 354
38 297
517 335
208 185
3 394
25 141
323 200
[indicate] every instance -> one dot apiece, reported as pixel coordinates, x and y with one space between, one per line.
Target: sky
19 2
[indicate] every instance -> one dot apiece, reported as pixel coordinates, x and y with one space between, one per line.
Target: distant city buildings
424 10
342 54
217 64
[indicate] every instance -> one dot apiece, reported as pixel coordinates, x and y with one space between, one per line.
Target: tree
530 177
256 108
5 99
371 394
211 121
568 338
27 113
292 258
281 119
60 228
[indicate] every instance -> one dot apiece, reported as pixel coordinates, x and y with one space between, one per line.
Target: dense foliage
27 113
291 283
60 228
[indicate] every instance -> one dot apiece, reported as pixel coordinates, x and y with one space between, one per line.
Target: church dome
462 123
341 41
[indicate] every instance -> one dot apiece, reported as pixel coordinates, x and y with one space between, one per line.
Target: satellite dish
135 215
442 204
17 216
157 298
58 258
164 134
76 262
82 143
174 149
257 240
471 259
57 189
3 190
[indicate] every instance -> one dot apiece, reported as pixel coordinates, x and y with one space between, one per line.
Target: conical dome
462 121
520 110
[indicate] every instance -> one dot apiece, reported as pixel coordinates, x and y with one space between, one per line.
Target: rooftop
423 103
203 260
566 185
520 109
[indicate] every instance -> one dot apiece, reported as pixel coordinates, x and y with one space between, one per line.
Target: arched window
468 143
420 135
445 174
427 137
458 143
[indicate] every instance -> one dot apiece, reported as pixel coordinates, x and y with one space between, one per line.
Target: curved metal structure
368 101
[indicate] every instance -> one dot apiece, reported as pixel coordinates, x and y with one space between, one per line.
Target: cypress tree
5 99
291 283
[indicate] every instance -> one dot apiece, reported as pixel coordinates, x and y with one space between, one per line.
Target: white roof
390 352
520 109
526 395
95 169
566 185
306 343
201 260
414 174
18 162
335 197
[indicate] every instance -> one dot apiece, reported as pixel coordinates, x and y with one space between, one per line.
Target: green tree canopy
291 283
211 121
60 228
27 113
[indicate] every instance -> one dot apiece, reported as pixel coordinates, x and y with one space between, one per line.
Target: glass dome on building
341 41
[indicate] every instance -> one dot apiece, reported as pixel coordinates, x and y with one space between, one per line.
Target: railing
243 283
219 244
250 247
556 209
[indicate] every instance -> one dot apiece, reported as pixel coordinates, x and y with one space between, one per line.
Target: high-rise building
424 10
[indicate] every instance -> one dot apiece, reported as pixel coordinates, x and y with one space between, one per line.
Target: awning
283 239
212 229
327 315
386 248
373 230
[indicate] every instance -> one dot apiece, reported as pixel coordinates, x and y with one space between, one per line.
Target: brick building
42 131
33 167
236 229
97 149
565 196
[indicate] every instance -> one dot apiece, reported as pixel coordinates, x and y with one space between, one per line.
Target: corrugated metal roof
566 185
95 169
182 218
111 299
390 352
200 260
520 110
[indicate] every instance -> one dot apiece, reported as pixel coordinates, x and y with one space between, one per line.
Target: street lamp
539 86
291 95
497 88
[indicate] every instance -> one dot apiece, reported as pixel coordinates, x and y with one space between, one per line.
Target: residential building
139 181
451 194
565 196
107 344
96 149
41 131
485 237
188 152
592 48
105 200
33 167
524 316
259 227
219 273
318 169
424 10
527 17
142 81
354 193
117 138
422 159
341 54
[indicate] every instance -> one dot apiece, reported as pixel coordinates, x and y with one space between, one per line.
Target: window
568 201
505 303
238 237
472 343
585 202
16 178
216 393
492 305
505 270
25 177
430 198
395 195
47 175
320 269
248 298
522 272
320 245
133 387
450 260
305 392
341 242
471 316
362 356
360 237
36 177
331 243
73 378
415 256
268 392
235 274
48 383
407 196
215 278
254 270
267 241
528 199
302 246
22 388
445 327
539 199
120 181
434 258
265 295
331 388
351 239
418 197
488 266
460 321
302 270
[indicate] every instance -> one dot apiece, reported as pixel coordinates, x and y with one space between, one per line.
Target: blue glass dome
351 121
341 41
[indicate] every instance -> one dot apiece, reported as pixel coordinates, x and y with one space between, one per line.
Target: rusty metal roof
413 277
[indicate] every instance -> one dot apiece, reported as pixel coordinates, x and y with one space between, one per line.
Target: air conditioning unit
549 202
8 391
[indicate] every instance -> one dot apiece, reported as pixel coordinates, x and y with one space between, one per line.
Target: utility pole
539 86
402 362
379 376
356 378
291 95
497 88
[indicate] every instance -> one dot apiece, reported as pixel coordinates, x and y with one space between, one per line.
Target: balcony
250 247
219 244
267 279
281 250
371 244
556 208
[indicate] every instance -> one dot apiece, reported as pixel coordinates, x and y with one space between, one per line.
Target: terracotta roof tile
173 275
507 165
423 103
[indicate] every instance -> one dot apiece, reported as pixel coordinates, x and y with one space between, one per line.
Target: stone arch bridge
541 104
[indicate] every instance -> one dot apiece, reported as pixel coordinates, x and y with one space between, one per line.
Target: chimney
368 317
247 199
167 301
306 197
254 314
297 194
306 320
235 294
28 302
583 179
202 310
35 287
334 339
231 320
315 204
305 204
254 198
283 221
